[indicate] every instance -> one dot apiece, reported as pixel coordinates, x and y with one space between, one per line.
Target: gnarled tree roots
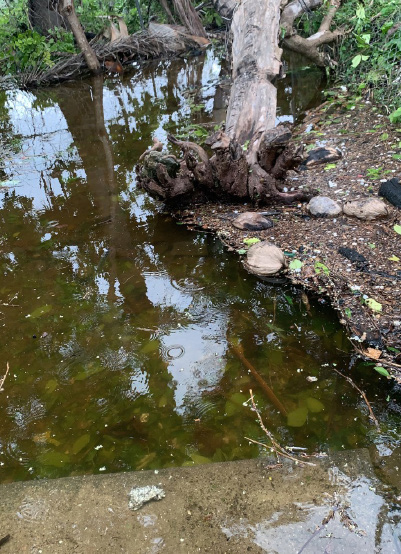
230 173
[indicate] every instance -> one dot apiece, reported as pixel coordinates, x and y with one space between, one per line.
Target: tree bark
251 157
189 17
43 16
67 9
167 11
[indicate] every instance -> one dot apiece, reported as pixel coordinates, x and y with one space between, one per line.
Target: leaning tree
251 157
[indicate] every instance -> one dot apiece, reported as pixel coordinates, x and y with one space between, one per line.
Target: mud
236 507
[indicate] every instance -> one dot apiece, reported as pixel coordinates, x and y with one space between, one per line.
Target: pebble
369 209
323 206
252 221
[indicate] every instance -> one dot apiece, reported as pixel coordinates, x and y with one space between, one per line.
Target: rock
264 259
323 206
252 221
391 190
321 155
369 209
140 495
355 257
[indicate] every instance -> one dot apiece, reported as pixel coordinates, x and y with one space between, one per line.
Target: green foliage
370 50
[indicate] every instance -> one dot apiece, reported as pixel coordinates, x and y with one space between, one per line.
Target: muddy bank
233 507
330 249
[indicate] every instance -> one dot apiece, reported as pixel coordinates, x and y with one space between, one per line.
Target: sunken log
250 158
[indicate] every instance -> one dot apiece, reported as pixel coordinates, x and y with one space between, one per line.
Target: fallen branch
269 392
351 382
275 446
4 378
139 46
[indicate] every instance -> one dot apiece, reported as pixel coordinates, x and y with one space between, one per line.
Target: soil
337 505
370 146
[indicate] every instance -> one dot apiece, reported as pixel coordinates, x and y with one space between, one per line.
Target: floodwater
118 324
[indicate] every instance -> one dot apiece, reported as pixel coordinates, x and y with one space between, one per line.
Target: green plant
376 172
370 50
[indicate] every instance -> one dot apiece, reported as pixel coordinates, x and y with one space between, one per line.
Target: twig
317 531
275 446
259 379
4 540
351 382
4 378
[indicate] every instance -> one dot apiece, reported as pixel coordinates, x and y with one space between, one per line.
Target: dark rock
321 155
252 221
353 256
391 190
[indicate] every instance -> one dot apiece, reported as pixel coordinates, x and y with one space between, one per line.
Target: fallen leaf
373 353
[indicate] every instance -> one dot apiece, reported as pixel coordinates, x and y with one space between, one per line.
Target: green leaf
198 459
54 459
392 349
330 166
394 259
356 60
383 371
241 251
250 241
51 385
314 405
397 229
319 267
235 404
296 265
384 136
395 117
374 305
396 156
41 311
80 443
297 418
289 299
348 313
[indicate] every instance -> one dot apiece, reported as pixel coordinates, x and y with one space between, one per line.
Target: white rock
369 209
265 258
252 221
323 206
140 495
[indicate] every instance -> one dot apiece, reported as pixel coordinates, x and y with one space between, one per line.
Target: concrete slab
234 507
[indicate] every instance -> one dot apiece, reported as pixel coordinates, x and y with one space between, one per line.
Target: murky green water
117 323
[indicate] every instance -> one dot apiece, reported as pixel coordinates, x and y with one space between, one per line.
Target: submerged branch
351 382
269 392
275 446
4 378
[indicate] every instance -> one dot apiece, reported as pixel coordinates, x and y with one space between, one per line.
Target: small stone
252 221
323 206
369 209
265 259
140 495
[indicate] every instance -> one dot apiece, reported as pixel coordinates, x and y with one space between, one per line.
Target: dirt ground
371 149
336 506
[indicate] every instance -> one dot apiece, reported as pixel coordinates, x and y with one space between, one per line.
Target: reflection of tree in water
96 270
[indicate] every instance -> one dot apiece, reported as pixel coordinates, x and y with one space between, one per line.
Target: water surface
117 322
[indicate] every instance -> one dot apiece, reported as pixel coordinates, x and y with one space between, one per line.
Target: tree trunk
43 16
251 158
66 8
167 11
189 17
